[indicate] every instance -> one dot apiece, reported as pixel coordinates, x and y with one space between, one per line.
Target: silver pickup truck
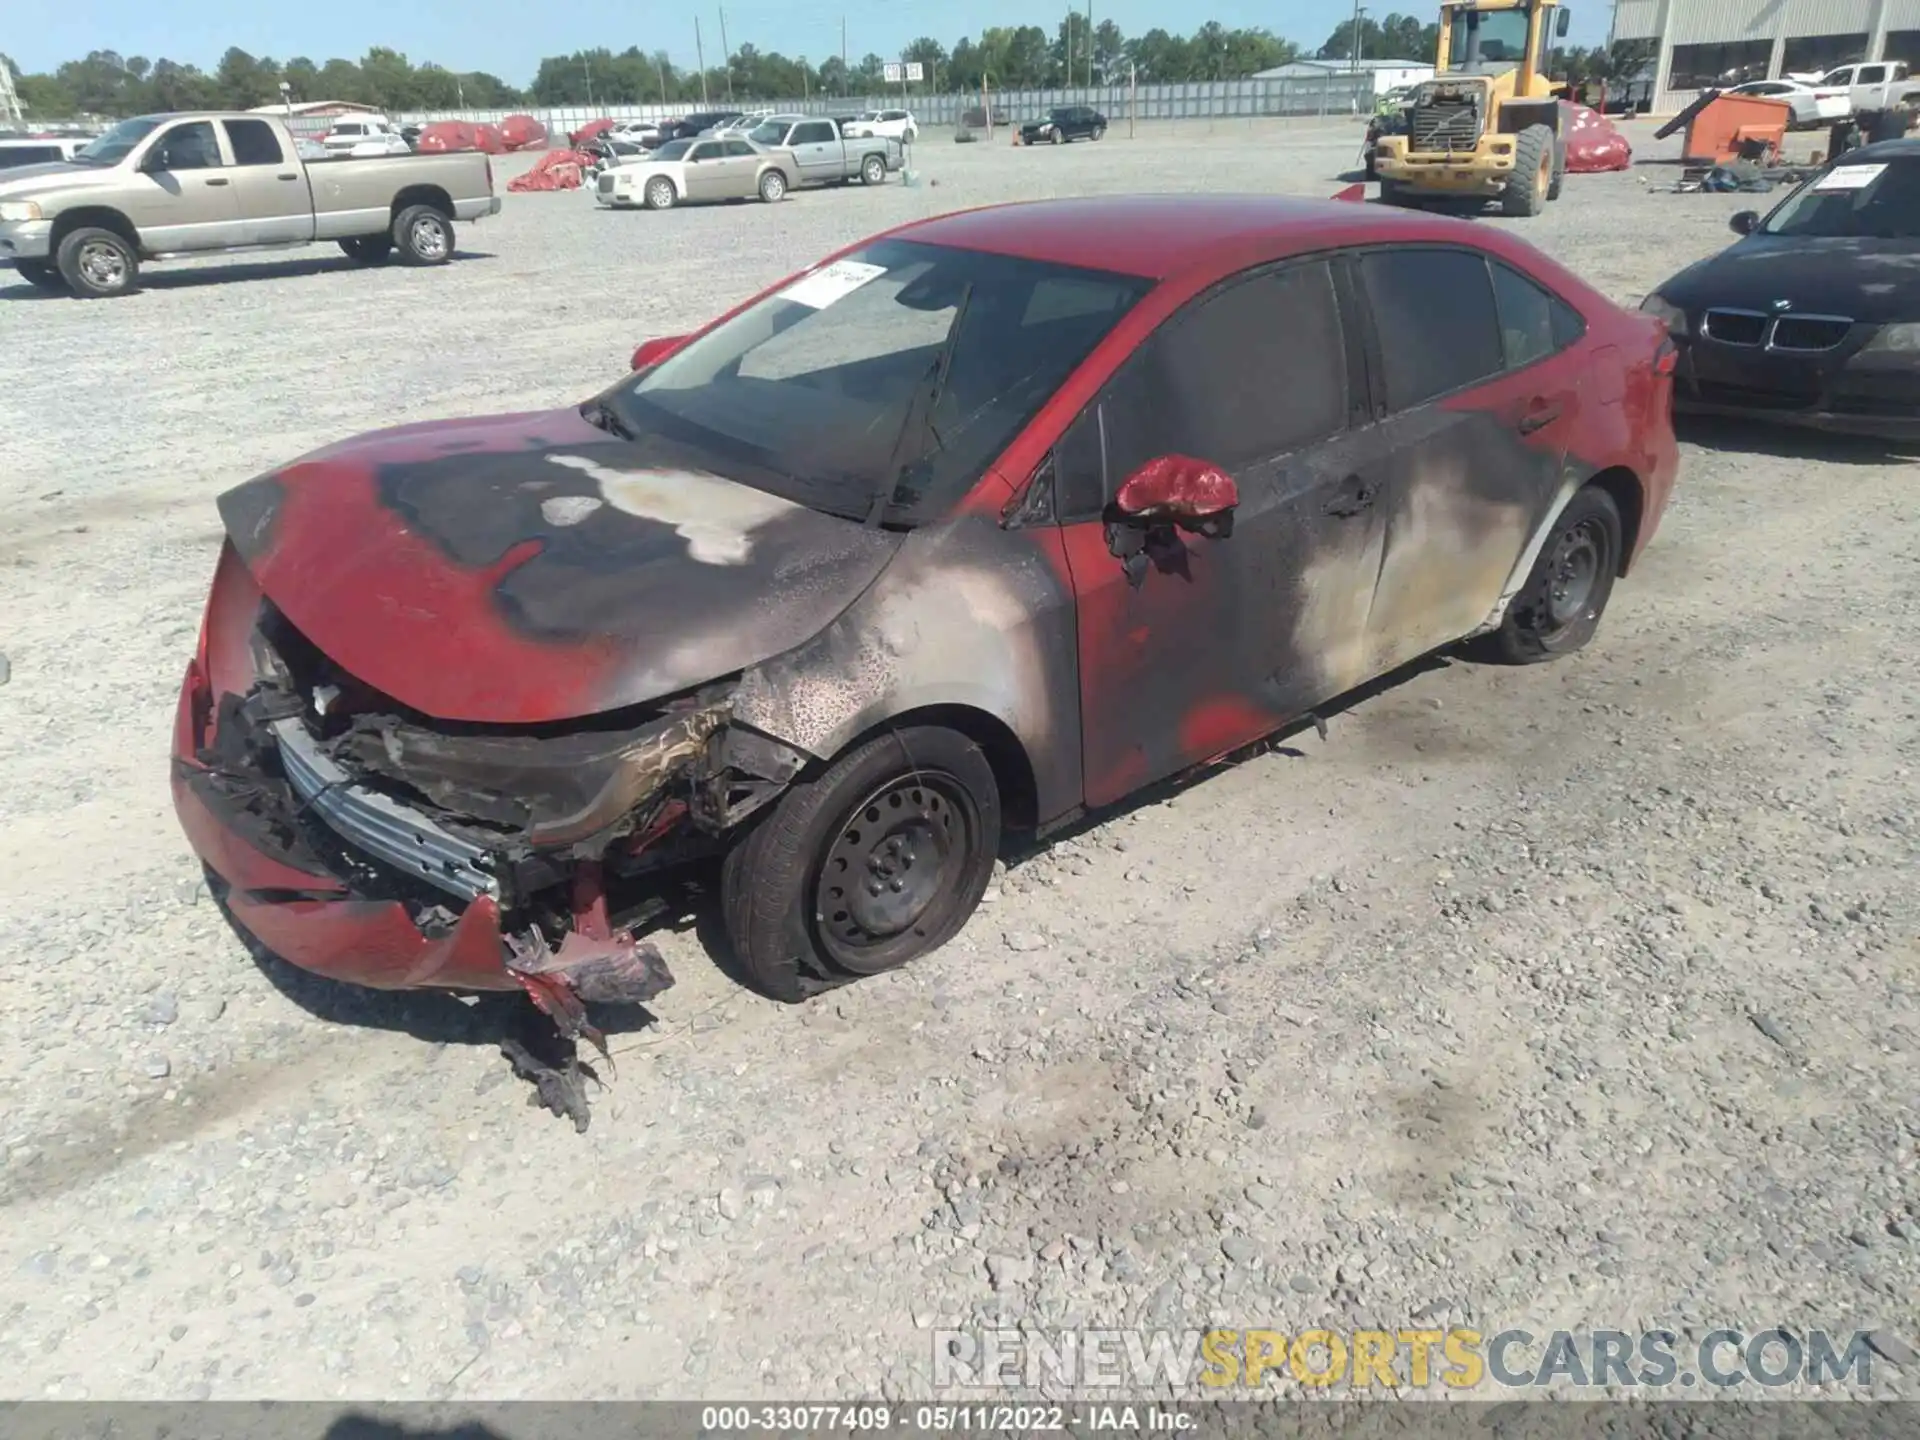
822 153
161 187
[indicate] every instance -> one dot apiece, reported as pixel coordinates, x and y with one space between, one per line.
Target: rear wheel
873 171
878 860
660 193
1529 186
423 236
1559 608
40 273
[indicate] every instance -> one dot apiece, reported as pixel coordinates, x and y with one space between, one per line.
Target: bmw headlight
1664 310
1899 339
14 211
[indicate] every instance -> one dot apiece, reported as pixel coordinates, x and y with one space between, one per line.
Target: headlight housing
1903 339
1658 306
14 211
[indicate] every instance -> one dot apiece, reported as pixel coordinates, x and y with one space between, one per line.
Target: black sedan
1813 317
1064 123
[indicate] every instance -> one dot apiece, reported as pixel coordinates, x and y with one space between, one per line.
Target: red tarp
522 131
587 131
555 170
1592 142
489 139
445 135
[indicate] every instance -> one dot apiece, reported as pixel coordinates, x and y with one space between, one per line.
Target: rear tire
41 274
873 171
1529 186
423 236
98 264
660 194
876 861
1558 610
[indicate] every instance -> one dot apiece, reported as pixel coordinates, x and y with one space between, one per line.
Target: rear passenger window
1533 323
253 142
1245 374
1434 313
739 147
814 133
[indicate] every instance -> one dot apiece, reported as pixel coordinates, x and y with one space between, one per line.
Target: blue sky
508 37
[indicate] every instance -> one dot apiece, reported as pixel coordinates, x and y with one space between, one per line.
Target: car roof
1157 236
1881 152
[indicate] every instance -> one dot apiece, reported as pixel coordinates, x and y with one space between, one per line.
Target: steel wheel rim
876 172
1573 572
429 238
102 265
659 192
897 860
773 187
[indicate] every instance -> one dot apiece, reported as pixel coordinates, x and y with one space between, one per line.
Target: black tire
1558 610
368 249
1099 131
42 274
423 236
1392 192
98 264
1529 185
659 194
873 171
1559 170
773 187
1369 169
933 795
1058 138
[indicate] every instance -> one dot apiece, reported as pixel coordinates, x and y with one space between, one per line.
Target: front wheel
873 171
1559 608
878 860
773 187
1530 185
423 236
98 264
660 194
1392 192
1057 136
1099 131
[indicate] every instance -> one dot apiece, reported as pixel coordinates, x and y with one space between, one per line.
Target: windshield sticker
1849 177
831 283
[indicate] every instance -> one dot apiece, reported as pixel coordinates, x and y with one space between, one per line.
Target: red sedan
979 524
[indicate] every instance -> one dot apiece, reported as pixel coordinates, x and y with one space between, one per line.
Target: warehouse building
1385 74
1709 43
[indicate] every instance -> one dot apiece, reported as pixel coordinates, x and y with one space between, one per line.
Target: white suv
892 124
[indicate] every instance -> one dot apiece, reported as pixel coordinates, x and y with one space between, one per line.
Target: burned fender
969 615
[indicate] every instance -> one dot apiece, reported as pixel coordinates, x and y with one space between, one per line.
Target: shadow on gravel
320 264
371 1427
1746 437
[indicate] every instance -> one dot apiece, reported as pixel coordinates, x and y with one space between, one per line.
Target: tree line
1023 57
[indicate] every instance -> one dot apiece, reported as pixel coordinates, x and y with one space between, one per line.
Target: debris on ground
555 170
1593 145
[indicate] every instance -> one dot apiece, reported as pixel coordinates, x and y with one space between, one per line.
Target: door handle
1353 496
1538 418
289 177
217 182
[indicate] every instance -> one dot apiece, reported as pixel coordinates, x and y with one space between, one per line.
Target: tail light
1667 358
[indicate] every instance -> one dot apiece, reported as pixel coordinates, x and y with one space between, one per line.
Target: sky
508 37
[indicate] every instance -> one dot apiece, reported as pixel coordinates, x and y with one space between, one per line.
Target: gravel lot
1583 995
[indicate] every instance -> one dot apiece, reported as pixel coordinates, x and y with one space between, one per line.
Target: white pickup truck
1866 86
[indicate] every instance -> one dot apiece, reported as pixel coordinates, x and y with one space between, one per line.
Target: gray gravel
1582 995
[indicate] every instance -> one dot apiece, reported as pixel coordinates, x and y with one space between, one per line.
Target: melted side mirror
652 352
1744 222
1177 490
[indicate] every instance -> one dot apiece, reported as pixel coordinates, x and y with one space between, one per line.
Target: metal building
1707 43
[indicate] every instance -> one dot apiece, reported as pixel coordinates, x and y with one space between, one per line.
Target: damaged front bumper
373 848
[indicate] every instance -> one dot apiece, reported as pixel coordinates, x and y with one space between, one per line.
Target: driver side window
1249 372
186 147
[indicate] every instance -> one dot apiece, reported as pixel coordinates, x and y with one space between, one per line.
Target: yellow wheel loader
1487 126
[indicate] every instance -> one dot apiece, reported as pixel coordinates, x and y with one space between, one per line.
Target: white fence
1330 94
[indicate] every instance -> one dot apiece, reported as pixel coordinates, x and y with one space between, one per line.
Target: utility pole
726 53
1089 44
1069 43
700 54
1358 11
11 110
660 64
843 56
587 66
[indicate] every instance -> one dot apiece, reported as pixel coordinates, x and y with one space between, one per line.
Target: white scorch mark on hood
715 517
569 509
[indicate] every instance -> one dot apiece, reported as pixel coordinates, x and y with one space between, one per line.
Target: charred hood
530 568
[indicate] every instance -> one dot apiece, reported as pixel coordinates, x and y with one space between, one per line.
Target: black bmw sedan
1813 317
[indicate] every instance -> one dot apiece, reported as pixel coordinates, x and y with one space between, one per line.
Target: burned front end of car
362 840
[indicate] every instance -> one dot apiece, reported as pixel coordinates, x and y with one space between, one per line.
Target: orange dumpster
1719 130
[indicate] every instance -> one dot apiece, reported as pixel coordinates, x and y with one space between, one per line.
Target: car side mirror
1744 222
652 352
1560 25
1179 490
